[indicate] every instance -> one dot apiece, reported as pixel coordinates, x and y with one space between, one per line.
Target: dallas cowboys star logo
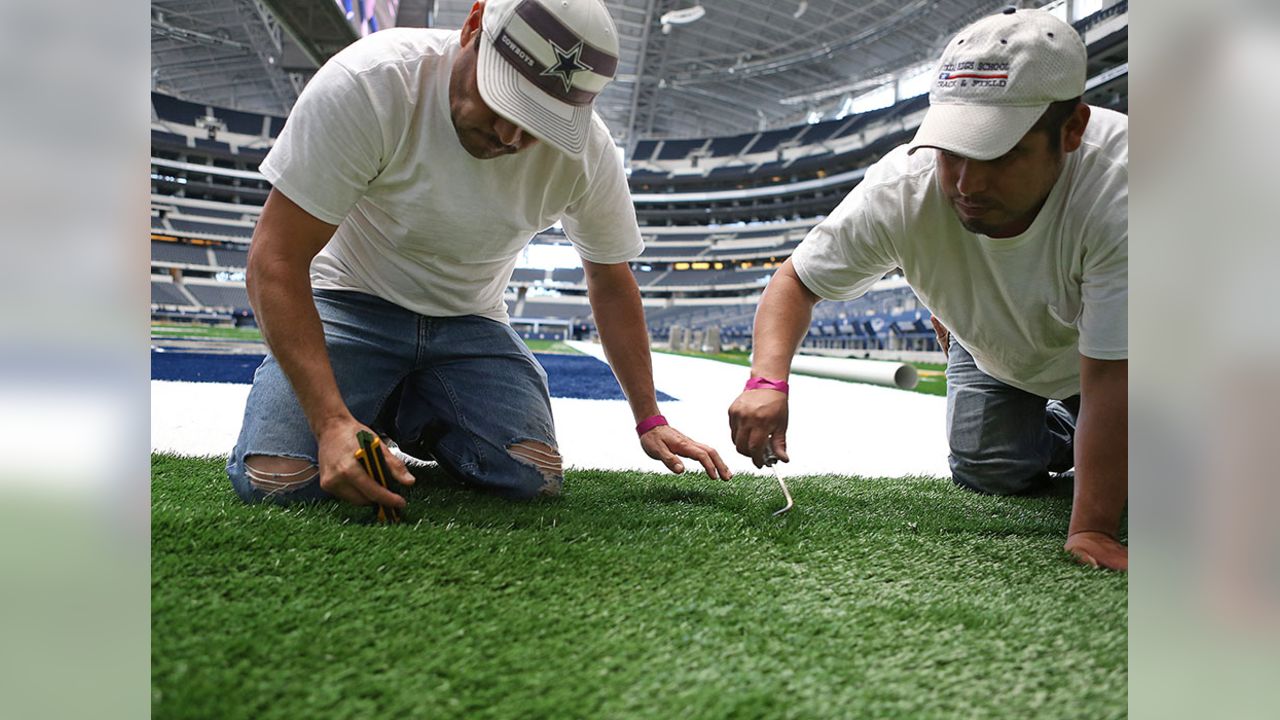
568 62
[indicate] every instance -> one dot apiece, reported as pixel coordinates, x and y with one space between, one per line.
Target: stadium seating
182 225
226 296
673 251
679 149
737 201
537 308
181 253
176 111
231 257
166 293
528 275
568 276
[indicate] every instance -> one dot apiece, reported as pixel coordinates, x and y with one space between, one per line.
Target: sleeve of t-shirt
601 221
844 255
1104 319
330 148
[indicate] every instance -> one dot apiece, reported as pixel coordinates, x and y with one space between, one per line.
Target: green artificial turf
206 331
632 596
551 346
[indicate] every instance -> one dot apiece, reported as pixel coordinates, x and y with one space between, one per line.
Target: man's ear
1073 128
472 26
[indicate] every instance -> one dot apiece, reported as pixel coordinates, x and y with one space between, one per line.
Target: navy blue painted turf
204 367
568 376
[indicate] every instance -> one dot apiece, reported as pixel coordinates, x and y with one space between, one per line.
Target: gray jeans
1004 441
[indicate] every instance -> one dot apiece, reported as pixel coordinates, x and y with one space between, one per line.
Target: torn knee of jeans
545 459
273 483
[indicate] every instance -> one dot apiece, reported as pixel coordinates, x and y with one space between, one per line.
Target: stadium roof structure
743 65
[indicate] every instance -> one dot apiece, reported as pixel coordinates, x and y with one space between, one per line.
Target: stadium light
683 16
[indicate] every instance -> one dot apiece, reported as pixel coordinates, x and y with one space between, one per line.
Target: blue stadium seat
679 149
770 140
730 146
240 122
644 150
175 110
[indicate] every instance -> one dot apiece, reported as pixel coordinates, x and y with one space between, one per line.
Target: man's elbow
787 280
263 271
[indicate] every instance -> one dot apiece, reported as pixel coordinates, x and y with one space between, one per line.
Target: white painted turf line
836 427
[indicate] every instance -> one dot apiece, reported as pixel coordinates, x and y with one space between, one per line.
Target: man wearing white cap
1008 215
414 168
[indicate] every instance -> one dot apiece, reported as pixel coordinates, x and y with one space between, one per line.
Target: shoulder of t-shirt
1106 138
395 49
898 171
600 145
1103 177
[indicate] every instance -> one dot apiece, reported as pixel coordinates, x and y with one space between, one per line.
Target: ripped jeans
464 390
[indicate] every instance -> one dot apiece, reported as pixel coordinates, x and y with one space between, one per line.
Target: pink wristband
650 423
759 383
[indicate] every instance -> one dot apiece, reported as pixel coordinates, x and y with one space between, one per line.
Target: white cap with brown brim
996 78
542 64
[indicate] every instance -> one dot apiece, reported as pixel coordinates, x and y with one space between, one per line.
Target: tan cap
996 78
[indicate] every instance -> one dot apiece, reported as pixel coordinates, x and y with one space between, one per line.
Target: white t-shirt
370 147
1026 307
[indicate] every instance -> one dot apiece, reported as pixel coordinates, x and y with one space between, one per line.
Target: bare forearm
1102 455
286 312
782 320
615 302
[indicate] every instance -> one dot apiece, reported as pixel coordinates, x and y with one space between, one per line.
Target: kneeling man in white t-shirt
411 173
1008 215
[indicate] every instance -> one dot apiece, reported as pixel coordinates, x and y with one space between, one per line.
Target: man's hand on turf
665 443
1098 549
344 477
758 424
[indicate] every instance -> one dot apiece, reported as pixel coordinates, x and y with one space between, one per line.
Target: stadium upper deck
718 213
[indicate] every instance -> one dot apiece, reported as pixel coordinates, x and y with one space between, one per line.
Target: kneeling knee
276 478
997 477
547 476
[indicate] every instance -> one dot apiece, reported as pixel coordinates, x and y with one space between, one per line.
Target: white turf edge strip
836 427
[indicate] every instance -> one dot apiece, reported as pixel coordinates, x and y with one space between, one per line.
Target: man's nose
508 133
972 176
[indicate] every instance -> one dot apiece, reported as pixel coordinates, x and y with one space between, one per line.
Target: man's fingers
759 440
673 463
778 443
1084 557
375 493
356 487
1116 558
342 487
721 468
1099 551
944 335
741 442
668 458
703 454
397 467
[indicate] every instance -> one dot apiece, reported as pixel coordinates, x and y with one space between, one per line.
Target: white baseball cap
542 64
996 78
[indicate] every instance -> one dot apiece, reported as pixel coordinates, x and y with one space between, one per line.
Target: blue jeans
463 390
1004 441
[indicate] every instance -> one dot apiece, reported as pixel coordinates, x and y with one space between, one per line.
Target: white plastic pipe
876 372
